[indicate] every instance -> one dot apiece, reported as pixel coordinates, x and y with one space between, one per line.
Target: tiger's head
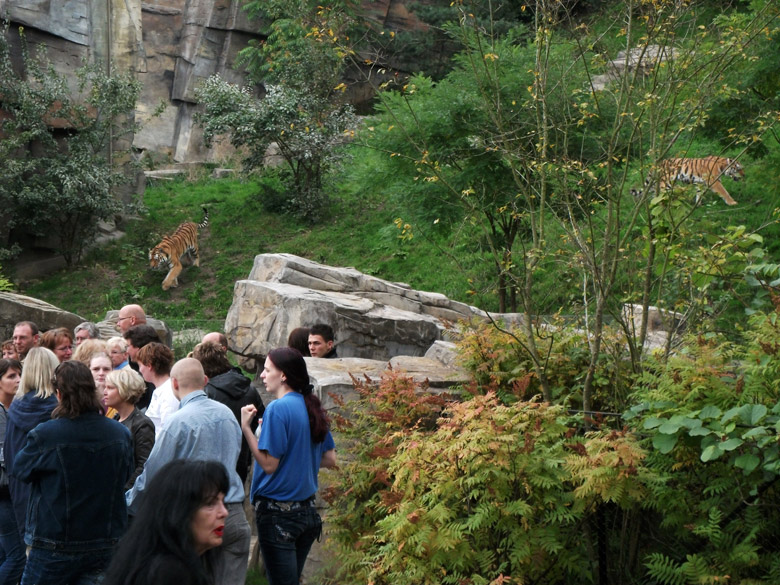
734 170
158 258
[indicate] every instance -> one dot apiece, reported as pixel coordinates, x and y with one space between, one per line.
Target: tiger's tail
205 221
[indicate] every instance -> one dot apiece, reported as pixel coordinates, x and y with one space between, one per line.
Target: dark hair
78 394
33 327
291 363
299 339
157 356
212 357
323 330
163 525
140 335
6 364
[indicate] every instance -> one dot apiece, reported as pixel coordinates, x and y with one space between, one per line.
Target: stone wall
171 46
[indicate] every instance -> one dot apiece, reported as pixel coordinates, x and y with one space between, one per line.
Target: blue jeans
51 567
285 537
12 550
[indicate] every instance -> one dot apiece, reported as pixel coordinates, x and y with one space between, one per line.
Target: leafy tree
446 490
303 110
711 418
518 139
307 131
61 181
5 284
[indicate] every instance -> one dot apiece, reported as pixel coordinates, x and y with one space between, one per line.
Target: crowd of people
120 465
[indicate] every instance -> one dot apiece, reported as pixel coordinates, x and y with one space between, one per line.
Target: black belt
267 504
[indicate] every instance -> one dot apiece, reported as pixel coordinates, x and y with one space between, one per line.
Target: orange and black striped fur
169 252
706 171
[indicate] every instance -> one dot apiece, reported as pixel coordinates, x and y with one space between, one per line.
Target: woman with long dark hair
299 339
77 465
180 518
12 550
293 442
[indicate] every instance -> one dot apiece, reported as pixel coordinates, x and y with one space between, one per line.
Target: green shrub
62 182
498 360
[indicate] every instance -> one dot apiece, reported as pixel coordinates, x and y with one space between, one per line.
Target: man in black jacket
230 387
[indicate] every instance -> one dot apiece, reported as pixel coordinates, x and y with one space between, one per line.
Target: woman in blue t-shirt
293 442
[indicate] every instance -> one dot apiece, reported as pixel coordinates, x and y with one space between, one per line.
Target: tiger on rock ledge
169 252
705 171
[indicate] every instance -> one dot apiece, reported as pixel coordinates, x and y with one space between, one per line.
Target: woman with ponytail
293 442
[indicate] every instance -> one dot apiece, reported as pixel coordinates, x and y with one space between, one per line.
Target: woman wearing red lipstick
181 518
294 442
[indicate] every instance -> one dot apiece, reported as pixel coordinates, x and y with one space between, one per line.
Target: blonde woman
100 366
34 403
117 351
87 349
122 390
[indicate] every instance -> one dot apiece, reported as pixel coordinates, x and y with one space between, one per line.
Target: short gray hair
91 328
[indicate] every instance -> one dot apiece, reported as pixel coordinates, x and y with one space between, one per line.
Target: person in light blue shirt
203 429
294 442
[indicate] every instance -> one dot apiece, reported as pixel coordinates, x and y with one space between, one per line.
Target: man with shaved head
203 429
130 316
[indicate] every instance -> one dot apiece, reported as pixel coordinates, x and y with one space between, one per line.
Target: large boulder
372 318
264 313
15 308
292 269
333 379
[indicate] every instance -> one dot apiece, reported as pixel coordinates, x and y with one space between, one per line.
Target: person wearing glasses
130 316
60 341
117 351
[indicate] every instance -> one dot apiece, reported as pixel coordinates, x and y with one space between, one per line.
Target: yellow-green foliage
488 493
609 467
5 284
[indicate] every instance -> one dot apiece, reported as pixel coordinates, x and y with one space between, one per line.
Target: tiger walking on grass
705 171
169 252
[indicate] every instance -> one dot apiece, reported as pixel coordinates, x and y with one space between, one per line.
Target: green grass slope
357 233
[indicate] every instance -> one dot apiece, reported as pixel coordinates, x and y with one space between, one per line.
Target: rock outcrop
171 46
373 318
15 308
642 60
334 377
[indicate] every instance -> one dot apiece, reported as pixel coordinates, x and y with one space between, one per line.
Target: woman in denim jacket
77 465
294 442
12 552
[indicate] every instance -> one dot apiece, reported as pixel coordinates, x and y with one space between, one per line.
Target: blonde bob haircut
129 384
37 373
87 349
118 342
